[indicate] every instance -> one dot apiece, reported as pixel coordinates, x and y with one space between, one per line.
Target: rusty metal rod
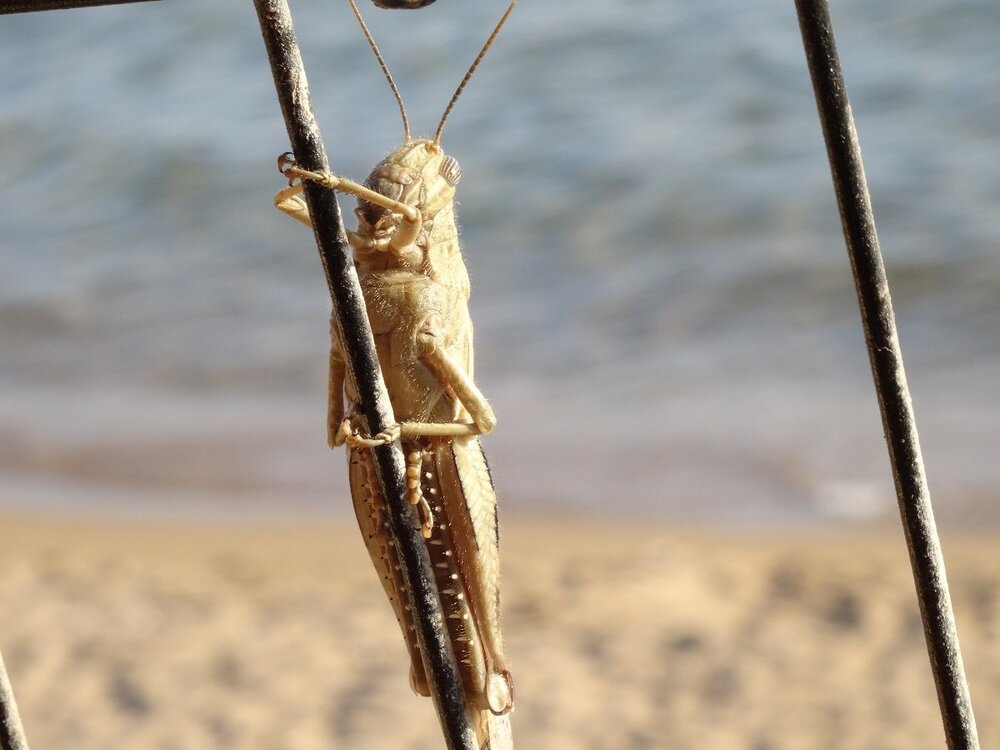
359 349
11 732
30 6
886 358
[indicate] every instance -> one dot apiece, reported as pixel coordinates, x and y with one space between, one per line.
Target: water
665 318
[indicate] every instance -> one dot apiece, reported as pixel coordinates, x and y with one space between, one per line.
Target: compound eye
450 170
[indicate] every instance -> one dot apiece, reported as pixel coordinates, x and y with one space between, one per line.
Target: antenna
472 69
385 69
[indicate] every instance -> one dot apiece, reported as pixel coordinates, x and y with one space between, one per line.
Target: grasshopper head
417 173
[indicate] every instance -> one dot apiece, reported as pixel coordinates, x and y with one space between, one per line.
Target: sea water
665 318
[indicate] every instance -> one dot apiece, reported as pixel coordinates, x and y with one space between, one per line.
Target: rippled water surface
665 318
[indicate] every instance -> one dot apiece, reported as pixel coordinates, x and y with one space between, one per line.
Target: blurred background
660 287
665 326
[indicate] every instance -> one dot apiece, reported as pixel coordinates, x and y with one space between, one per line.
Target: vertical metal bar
349 308
11 732
886 359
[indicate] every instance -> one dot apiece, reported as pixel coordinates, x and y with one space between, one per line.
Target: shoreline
232 530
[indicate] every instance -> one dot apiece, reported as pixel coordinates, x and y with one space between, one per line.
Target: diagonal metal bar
886 358
11 732
350 315
30 6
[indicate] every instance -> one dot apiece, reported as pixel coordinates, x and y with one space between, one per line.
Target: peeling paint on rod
878 321
359 349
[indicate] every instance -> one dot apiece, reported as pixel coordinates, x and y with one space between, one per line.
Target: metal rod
30 6
11 732
886 359
350 315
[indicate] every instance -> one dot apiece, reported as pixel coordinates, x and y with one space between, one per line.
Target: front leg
289 201
453 376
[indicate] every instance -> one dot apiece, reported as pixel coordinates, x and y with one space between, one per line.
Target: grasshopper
416 291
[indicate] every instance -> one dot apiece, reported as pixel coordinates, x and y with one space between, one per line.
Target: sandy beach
177 637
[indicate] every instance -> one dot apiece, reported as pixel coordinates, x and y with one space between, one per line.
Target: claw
285 162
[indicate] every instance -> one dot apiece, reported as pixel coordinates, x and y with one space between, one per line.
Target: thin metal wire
359 349
11 731
30 6
886 358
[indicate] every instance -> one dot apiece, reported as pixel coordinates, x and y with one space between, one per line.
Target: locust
416 291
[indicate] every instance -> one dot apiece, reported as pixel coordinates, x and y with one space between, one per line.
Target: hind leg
373 520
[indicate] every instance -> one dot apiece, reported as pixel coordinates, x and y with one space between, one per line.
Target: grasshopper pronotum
416 292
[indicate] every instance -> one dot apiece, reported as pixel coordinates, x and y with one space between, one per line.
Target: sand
181 638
